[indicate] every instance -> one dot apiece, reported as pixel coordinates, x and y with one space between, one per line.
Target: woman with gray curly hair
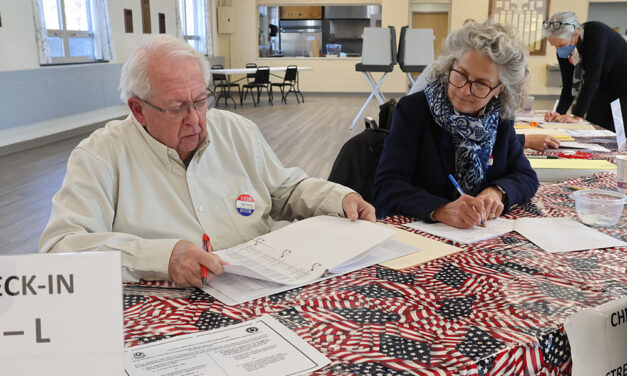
593 69
460 128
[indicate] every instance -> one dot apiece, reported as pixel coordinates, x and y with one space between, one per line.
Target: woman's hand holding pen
465 212
559 118
186 261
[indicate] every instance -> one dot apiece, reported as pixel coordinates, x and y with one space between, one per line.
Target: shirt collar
164 153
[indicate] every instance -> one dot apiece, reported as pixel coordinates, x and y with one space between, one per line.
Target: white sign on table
619 124
598 339
262 346
61 314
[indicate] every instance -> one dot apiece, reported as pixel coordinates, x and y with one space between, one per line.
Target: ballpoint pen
461 192
203 269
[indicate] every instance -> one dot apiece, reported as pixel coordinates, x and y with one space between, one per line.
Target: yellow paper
573 164
429 250
585 126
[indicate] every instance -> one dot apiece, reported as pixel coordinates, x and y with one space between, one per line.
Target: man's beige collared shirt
126 191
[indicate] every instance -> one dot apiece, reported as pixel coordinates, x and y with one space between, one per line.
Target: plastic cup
528 106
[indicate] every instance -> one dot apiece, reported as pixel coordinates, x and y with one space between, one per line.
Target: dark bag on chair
356 163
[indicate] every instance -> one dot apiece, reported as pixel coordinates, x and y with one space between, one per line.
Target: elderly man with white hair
593 62
152 184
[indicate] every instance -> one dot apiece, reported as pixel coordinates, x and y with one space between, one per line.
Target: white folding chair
378 54
415 50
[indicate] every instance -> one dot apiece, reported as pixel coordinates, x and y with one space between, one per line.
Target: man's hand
355 207
465 212
492 202
541 142
186 261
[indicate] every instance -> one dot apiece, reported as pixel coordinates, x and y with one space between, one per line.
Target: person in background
593 62
152 184
461 124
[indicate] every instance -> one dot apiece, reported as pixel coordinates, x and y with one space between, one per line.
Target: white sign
598 339
61 314
262 346
619 124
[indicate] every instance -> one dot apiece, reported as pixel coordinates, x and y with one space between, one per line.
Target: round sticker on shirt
245 205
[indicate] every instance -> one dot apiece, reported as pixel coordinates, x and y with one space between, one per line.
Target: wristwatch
504 199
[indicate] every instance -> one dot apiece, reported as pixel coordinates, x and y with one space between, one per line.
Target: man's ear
137 109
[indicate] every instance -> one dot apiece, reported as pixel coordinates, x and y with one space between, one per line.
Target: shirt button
200 208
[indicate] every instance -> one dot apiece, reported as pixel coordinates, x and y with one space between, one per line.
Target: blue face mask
564 52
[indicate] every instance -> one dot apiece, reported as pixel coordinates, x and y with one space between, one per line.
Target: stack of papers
560 135
582 147
551 234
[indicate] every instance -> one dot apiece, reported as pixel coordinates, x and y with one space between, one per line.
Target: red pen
205 246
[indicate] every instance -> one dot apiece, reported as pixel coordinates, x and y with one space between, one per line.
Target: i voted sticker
245 205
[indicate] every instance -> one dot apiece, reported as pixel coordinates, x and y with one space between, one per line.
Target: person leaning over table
593 63
150 185
460 125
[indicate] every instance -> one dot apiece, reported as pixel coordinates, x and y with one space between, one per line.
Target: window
72 31
195 24
69 30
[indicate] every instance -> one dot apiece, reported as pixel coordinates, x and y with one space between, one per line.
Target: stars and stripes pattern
495 309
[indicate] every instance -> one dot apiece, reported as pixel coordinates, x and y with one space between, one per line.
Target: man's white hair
134 80
566 31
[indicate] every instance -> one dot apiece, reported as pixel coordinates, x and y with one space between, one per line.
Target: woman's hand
492 199
465 212
559 118
541 142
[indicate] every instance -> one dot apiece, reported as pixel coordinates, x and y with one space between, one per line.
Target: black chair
262 80
250 77
290 79
222 82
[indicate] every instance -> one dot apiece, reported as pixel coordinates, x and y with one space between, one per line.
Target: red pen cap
205 237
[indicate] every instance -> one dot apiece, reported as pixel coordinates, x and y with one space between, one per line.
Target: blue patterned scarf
473 137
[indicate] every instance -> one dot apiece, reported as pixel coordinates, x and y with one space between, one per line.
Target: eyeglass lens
477 89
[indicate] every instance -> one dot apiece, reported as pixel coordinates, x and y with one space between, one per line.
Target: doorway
438 21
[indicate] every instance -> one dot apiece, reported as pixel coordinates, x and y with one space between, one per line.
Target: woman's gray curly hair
503 47
566 31
134 80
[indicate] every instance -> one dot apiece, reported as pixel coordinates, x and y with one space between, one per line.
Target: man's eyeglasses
555 25
478 89
179 112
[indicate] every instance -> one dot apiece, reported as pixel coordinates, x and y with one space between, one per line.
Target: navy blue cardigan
412 176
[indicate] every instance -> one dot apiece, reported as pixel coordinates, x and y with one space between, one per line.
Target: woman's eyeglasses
555 25
478 89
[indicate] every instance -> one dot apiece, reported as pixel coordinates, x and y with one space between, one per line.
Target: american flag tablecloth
497 308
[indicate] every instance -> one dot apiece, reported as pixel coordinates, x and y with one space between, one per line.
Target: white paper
303 251
583 146
471 235
589 133
262 346
232 289
619 124
563 235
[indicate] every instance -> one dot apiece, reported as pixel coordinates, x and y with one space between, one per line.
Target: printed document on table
563 235
262 346
304 250
495 227
232 289
583 133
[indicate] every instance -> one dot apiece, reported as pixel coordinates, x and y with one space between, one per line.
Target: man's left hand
356 207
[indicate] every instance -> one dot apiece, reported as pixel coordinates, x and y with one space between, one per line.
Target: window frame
66 35
197 38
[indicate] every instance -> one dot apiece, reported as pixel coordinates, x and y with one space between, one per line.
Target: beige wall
339 75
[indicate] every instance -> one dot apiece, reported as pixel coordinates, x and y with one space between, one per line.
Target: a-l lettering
38 332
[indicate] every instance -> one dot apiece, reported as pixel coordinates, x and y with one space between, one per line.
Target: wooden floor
308 135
